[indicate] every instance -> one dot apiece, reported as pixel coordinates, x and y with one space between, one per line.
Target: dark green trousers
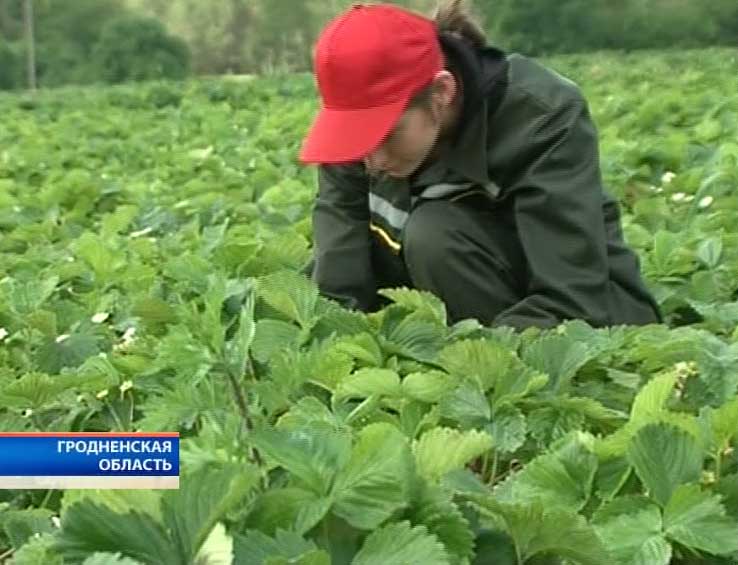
467 252
461 251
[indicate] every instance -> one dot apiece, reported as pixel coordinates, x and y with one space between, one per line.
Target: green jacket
527 142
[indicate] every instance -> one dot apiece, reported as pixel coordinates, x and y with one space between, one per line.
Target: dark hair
452 17
456 18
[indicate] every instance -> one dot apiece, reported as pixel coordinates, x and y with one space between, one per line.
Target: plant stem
242 404
115 417
485 465
493 474
46 499
718 465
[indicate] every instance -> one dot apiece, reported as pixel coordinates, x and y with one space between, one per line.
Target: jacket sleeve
342 243
558 211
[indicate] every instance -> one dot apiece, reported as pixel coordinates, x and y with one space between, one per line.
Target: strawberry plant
152 239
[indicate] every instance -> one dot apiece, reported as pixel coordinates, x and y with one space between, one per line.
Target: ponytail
454 17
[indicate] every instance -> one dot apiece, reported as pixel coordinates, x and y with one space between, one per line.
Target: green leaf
428 387
313 557
273 336
109 559
362 346
204 498
435 510
697 520
517 383
328 366
664 457
441 450
631 529
611 475
466 405
337 320
724 423
562 478
103 260
709 252
552 423
312 454
117 500
369 381
292 295
290 508
256 548
217 549
20 525
87 527
401 543
651 400
481 360
38 551
237 349
375 482
308 411
25 297
54 355
558 356
154 313
649 406
425 304
414 339
538 530
34 390
727 486
508 429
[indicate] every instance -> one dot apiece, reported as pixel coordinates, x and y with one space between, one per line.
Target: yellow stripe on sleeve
394 245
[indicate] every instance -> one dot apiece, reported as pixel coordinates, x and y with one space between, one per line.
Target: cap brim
344 136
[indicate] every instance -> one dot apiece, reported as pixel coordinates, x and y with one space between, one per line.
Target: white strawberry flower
62 338
667 177
706 202
100 317
127 339
27 413
56 521
127 385
102 394
3 333
678 196
129 334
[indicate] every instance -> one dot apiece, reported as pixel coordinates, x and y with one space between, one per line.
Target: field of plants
151 239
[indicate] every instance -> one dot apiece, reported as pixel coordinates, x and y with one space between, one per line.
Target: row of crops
151 243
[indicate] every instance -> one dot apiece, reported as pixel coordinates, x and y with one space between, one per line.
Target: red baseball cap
369 62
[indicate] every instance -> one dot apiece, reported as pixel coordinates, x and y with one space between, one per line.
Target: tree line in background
86 41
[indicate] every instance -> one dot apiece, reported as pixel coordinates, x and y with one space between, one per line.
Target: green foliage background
151 243
77 42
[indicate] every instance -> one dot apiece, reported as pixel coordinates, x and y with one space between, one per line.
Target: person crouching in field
450 166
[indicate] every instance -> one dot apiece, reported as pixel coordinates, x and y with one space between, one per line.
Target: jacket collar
484 78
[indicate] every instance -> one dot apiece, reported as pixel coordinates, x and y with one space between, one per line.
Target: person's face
406 146
413 136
